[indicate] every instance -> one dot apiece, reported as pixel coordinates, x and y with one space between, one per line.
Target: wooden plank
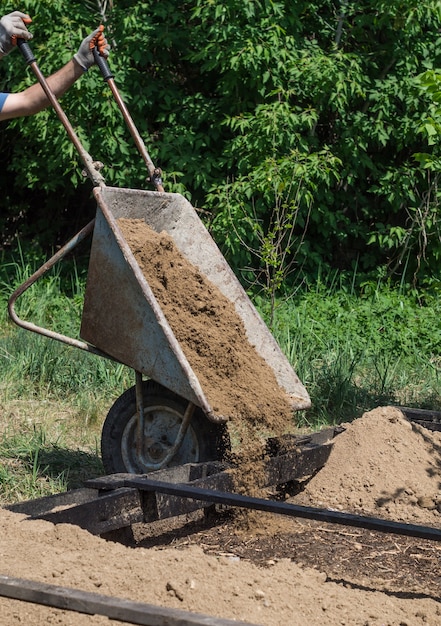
285 443
417 414
110 503
171 506
69 599
424 417
433 426
296 464
114 510
176 474
40 506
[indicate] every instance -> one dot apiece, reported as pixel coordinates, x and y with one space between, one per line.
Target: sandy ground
381 466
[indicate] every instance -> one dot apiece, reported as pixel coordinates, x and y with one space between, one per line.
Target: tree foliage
303 129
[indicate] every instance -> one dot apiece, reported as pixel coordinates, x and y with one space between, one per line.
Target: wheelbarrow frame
44 269
193 392
75 343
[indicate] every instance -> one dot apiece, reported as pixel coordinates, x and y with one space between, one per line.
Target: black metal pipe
285 508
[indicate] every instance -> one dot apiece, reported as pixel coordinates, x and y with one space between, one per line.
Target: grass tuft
355 351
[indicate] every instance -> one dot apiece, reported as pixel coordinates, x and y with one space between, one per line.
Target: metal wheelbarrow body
166 420
122 317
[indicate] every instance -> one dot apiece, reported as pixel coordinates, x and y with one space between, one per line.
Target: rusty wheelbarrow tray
119 299
168 419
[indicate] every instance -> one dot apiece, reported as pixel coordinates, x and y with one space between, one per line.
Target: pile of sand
382 465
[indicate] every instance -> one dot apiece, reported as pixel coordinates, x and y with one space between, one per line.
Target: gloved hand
12 26
84 56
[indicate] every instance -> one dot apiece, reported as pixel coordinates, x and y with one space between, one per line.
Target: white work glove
84 57
13 26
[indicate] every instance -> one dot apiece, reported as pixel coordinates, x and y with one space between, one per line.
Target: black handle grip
26 51
102 64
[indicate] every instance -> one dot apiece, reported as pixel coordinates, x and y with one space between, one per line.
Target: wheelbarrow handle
30 59
26 51
102 64
155 173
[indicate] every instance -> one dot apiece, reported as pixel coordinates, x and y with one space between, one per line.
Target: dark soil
406 566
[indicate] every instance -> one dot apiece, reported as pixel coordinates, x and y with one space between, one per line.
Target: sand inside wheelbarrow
237 381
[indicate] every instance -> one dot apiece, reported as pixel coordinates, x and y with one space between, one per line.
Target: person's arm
33 99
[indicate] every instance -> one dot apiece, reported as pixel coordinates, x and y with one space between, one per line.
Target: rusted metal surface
117 501
122 317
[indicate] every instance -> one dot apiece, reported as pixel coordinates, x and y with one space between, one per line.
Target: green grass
353 350
31 466
53 398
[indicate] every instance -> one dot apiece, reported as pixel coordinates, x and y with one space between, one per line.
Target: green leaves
240 103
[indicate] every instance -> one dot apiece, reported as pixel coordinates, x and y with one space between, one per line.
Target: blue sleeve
3 97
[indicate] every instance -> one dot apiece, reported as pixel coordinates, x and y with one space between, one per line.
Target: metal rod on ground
95 604
155 173
30 59
285 508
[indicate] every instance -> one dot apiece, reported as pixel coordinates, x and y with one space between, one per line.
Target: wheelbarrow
165 419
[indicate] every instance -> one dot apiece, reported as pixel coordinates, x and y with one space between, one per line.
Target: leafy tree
294 125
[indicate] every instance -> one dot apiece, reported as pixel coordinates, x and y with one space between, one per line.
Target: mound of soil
382 465
279 571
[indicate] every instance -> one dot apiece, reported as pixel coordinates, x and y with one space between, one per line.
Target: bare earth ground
267 569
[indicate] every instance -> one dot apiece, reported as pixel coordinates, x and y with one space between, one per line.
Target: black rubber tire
164 410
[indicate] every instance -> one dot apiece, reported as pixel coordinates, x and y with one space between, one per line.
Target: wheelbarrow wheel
163 415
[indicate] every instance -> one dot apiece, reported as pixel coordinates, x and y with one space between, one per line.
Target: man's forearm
33 99
59 83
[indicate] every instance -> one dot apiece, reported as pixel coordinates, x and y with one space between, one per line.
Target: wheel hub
161 427
155 450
